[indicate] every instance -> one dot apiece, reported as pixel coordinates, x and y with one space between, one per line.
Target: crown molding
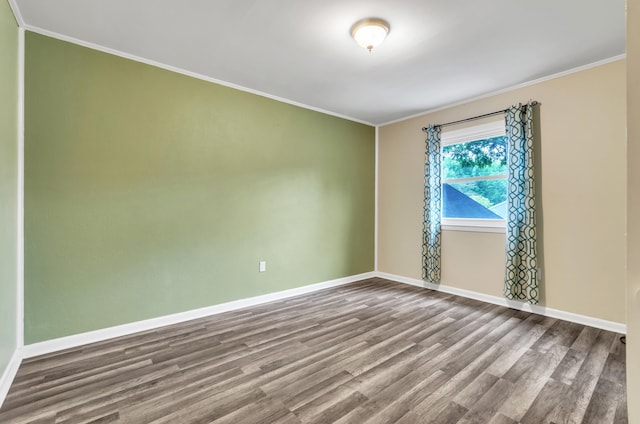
191 74
509 89
16 13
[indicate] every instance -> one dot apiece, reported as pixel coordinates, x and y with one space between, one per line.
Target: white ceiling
438 52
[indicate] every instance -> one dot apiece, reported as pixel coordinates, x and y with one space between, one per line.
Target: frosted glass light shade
370 32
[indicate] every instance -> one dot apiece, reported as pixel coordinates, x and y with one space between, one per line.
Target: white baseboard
54 345
76 340
9 374
616 327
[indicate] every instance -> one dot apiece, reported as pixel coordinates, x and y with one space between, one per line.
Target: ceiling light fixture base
370 32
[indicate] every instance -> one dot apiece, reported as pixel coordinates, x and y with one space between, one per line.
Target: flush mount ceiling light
370 32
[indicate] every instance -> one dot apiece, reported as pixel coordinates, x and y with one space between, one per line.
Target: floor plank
368 352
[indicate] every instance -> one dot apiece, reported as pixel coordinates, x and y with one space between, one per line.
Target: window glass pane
485 199
475 158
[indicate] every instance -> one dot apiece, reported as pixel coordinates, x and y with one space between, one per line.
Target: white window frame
465 135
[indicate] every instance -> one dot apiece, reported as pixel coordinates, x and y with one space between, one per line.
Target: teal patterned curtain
432 206
521 272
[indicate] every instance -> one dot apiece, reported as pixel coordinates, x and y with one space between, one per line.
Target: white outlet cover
263 266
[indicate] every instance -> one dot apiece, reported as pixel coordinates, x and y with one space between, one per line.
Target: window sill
473 229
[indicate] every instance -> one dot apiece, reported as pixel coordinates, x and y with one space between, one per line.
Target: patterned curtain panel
521 271
432 206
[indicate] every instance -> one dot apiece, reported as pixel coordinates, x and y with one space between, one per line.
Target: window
474 178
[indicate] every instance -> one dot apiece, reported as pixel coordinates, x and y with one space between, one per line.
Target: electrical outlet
539 272
262 266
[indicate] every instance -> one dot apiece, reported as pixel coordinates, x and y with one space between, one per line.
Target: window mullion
480 178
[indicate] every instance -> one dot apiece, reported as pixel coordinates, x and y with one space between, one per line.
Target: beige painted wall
633 209
581 150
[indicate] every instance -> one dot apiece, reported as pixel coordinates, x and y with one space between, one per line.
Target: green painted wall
149 193
8 180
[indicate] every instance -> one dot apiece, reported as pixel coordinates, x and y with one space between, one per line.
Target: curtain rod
486 115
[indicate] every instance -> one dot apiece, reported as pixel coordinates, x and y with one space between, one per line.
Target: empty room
319 212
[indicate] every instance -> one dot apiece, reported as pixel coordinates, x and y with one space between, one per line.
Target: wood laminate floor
368 352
